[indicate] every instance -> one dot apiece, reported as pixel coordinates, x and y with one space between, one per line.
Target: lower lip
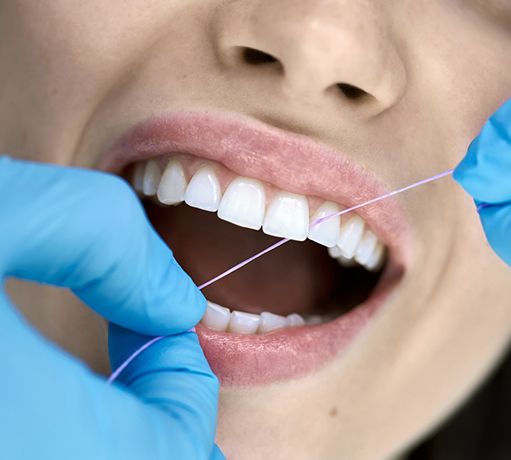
241 360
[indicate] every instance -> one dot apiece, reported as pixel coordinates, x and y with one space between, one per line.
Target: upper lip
289 161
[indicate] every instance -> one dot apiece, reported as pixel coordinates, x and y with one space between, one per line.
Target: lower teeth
222 319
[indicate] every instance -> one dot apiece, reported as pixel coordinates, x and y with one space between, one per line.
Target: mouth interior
298 277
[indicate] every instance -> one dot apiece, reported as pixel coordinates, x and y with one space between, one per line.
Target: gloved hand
86 230
485 173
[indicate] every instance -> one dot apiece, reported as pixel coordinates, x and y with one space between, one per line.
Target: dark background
481 430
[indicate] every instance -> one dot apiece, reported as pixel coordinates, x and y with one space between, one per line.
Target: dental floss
279 243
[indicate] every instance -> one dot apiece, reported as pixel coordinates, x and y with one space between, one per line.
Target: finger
174 376
496 222
87 231
485 172
55 408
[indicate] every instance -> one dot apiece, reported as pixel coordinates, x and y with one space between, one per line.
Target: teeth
366 247
328 232
346 262
244 323
216 317
151 179
294 320
138 176
243 203
368 252
376 259
287 217
351 233
221 319
270 322
203 191
173 184
335 252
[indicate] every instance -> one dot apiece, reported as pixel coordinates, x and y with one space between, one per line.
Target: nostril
350 91
255 57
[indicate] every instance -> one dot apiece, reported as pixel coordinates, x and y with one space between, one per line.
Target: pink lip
297 164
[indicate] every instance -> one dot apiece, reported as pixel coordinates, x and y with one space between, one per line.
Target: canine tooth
243 323
152 178
376 259
294 320
270 322
287 217
351 233
203 191
138 177
173 184
366 247
216 317
328 232
243 203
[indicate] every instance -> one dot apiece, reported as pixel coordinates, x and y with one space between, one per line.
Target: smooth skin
75 75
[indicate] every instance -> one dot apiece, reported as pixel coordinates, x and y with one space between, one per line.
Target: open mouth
288 312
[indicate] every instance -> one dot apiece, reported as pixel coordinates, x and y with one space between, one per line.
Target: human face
340 100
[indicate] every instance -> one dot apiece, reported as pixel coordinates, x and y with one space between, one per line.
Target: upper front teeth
287 217
203 191
222 319
245 203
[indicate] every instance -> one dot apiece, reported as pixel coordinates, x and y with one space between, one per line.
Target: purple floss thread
279 243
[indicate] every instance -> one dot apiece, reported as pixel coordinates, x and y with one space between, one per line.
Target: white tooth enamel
295 320
216 317
138 176
173 184
270 322
376 259
152 178
366 247
346 262
328 232
243 203
351 233
335 252
203 191
243 323
287 216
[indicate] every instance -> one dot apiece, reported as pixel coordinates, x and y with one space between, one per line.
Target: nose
315 48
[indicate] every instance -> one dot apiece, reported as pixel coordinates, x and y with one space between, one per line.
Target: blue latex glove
86 230
485 173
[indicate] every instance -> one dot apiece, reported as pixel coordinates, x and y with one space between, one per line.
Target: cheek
61 60
457 63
